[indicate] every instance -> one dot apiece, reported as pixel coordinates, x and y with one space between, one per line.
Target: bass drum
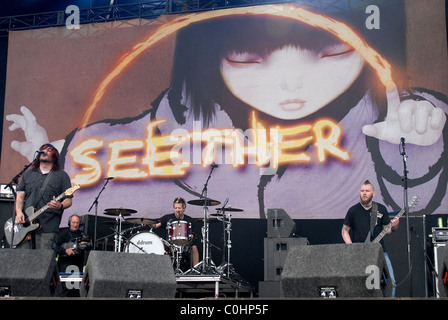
147 242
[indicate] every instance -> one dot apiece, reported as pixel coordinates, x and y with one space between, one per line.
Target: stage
257 256
191 286
211 284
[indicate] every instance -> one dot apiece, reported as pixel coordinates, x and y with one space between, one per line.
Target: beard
367 201
47 158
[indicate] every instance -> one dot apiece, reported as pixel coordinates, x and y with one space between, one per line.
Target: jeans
391 273
41 241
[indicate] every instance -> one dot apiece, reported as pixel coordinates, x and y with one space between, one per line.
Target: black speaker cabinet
275 254
125 275
442 271
6 212
28 273
336 270
279 224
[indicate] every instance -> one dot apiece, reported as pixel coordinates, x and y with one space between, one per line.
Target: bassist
367 219
39 186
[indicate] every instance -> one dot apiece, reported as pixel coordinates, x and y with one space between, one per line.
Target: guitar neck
37 213
398 215
388 227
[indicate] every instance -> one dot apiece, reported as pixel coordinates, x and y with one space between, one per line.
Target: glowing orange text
172 155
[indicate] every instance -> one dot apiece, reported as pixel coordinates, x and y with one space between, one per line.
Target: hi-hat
119 211
144 221
201 202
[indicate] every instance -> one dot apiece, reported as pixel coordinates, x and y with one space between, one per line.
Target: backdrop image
273 106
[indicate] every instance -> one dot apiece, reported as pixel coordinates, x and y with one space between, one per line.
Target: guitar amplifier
439 235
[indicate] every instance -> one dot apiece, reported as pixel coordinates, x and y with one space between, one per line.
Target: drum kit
179 235
137 239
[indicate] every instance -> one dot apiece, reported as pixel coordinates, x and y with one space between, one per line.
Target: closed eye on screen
243 61
336 54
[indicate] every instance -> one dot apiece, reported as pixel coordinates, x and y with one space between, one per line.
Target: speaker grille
344 267
115 274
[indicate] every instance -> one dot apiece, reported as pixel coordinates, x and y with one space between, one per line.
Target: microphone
213 165
41 151
109 178
403 146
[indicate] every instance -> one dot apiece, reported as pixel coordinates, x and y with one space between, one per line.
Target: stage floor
217 285
196 286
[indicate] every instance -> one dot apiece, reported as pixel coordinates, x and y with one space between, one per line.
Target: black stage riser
346 268
28 273
115 274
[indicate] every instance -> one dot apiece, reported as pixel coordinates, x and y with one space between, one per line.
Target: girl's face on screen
290 82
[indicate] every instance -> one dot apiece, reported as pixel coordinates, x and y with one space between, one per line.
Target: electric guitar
412 203
21 231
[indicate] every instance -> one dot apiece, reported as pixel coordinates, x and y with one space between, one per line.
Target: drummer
179 206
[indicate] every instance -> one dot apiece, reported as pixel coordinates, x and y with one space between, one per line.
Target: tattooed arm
345 234
20 218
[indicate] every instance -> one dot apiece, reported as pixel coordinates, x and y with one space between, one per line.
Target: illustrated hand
419 122
35 134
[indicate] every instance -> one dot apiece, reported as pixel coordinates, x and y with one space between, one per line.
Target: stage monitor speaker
28 273
126 275
280 225
336 270
442 279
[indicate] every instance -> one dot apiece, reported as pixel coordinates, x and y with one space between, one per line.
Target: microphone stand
205 236
406 206
15 181
95 203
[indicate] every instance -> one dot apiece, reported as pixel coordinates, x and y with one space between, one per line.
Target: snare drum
179 232
147 242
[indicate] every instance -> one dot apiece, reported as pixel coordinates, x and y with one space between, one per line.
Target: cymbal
215 215
144 221
114 222
201 202
119 211
230 209
208 220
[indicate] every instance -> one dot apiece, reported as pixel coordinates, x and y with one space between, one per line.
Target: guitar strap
42 189
373 217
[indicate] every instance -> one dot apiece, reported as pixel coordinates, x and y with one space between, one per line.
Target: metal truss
151 10
143 10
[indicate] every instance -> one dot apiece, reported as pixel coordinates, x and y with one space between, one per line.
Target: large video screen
273 106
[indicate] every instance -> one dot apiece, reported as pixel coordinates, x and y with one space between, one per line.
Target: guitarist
365 220
38 187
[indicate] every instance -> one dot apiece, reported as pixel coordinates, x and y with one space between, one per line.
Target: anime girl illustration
336 122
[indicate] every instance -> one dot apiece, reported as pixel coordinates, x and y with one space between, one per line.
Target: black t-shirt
31 182
358 219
